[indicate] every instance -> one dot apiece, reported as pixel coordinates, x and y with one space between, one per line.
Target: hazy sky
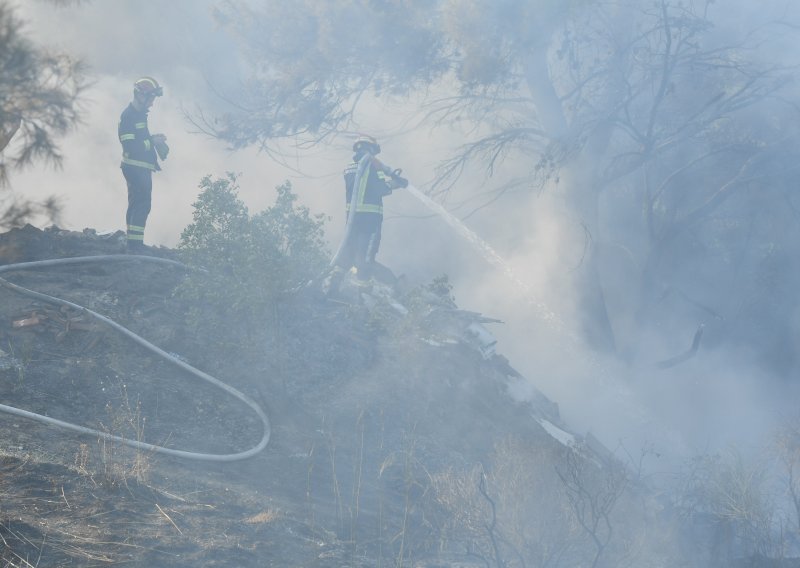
175 42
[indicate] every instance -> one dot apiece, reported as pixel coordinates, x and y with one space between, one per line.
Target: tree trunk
578 176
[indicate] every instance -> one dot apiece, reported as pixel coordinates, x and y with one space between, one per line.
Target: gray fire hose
362 166
144 343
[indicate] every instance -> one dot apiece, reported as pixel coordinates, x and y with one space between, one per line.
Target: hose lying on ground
144 343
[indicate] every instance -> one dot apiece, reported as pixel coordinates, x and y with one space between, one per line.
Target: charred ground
365 412
395 439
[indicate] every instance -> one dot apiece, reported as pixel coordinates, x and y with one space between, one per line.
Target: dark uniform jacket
137 147
374 186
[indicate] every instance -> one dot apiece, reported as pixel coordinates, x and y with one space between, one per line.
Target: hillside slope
394 437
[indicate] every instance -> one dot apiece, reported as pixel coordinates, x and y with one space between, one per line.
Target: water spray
491 256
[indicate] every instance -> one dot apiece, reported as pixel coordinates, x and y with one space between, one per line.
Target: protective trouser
140 190
362 244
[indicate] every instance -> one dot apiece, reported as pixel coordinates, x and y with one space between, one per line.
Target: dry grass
121 463
82 459
263 517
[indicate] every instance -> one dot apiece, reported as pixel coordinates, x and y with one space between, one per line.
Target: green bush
249 262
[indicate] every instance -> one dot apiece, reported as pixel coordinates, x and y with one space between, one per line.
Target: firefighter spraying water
367 181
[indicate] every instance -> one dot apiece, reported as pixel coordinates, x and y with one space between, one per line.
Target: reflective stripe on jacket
137 147
373 186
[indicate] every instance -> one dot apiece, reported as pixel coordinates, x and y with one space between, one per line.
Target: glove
398 180
160 144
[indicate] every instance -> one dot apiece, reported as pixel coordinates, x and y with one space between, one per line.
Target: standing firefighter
367 182
140 154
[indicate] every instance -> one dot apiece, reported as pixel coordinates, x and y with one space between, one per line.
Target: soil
363 413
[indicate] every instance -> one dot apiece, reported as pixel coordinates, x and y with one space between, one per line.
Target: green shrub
249 262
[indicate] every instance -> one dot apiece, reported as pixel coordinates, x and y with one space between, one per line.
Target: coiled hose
144 343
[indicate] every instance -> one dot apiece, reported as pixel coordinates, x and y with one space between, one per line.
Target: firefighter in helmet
367 182
141 152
